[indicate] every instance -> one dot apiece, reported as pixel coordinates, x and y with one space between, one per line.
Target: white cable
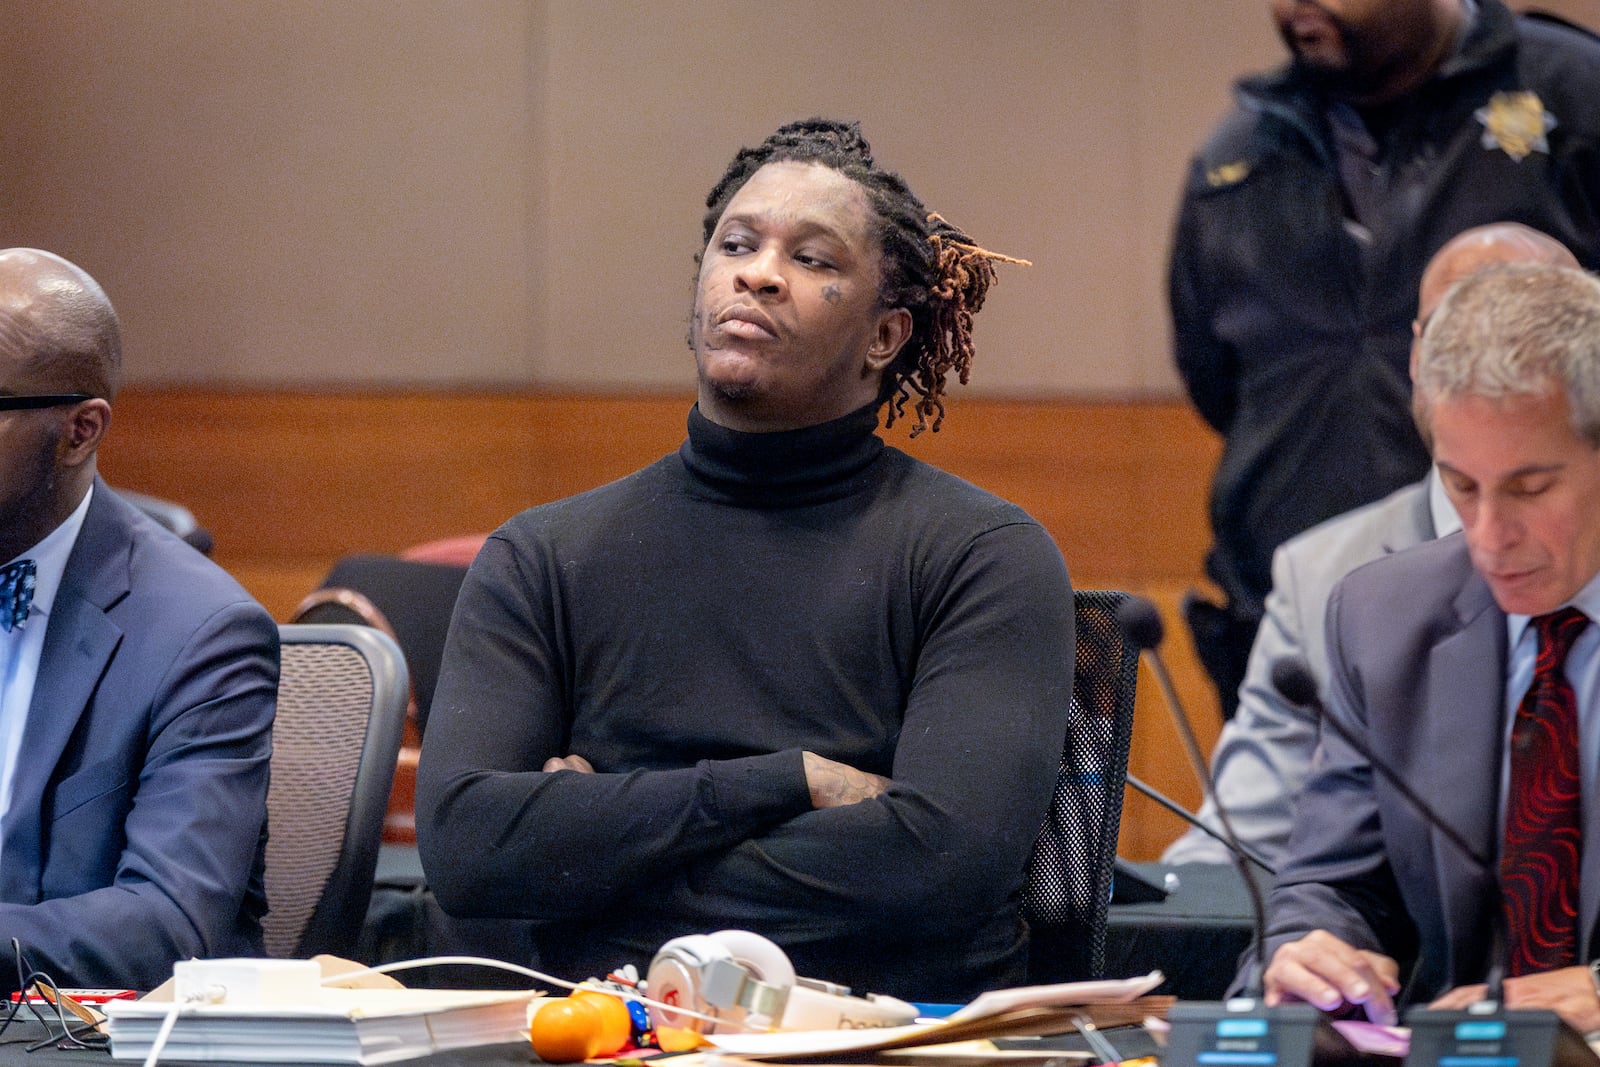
162 1034
538 976
429 961
214 994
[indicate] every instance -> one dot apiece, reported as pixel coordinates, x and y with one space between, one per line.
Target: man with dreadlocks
788 679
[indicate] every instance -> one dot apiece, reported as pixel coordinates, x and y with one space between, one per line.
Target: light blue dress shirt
20 649
1583 671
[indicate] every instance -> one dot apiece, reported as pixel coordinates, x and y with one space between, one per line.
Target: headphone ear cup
676 978
765 961
752 979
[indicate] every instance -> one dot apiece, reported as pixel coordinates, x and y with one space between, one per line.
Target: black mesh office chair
411 601
174 516
341 705
414 598
1068 885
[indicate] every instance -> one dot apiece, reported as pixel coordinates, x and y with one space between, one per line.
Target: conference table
1056 1051
15 1041
1195 936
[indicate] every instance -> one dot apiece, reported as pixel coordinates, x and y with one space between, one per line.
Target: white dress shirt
1440 510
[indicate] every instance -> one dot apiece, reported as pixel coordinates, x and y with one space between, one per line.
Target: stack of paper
361 1026
1025 1011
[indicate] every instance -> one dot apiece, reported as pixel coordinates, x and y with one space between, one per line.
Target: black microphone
1292 678
1187 816
1243 1029
1141 625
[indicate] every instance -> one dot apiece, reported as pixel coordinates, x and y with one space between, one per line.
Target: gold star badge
1516 123
1228 174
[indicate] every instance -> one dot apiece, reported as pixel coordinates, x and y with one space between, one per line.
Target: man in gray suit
1470 664
1263 754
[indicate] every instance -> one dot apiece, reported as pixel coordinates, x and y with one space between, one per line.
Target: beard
1356 73
27 510
729 392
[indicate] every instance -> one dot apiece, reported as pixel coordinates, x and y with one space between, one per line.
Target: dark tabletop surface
1195 936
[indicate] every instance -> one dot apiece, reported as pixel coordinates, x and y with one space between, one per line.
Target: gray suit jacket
1417 655
1263 754
138 808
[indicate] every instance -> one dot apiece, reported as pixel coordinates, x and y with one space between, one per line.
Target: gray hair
1515 330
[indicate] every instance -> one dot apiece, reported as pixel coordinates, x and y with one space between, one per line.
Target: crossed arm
832 784
799 833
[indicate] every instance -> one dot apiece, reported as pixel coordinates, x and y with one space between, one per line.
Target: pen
1096 1040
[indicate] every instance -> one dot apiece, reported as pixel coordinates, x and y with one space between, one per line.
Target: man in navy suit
138 681
1472 664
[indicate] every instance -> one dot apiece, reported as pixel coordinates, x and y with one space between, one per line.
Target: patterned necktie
1544 831
16 593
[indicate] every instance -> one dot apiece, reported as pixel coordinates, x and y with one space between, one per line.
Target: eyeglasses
43 400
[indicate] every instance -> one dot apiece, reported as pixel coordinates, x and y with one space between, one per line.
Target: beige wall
1586 12
404 192
287 190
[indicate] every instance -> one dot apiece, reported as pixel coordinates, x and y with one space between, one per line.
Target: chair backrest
174 516
1068 885
415 599
341 706
412 602
456 551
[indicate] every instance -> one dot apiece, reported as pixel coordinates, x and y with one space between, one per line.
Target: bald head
58 338
1472 250
57 328
1464 255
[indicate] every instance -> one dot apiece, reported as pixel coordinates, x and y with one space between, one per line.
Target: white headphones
747 981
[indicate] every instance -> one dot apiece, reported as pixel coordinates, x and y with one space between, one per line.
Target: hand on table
1569 992
1328 973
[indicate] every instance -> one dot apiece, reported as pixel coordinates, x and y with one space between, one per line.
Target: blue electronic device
1244 1032
1487 1035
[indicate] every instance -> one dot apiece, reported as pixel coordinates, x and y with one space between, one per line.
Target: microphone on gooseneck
1183 813
1141 625
1292 678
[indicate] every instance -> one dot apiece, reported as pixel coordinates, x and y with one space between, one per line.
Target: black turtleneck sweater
691 630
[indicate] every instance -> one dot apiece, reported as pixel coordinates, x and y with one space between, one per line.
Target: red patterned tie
1544 828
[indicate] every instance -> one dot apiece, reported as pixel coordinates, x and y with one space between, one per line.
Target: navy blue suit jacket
138 812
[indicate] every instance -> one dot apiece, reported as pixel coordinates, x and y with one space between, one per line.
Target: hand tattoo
834 784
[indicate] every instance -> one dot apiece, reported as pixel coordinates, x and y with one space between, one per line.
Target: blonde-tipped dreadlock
964 272
931 268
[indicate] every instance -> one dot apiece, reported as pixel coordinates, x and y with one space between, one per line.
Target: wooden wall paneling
300 476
